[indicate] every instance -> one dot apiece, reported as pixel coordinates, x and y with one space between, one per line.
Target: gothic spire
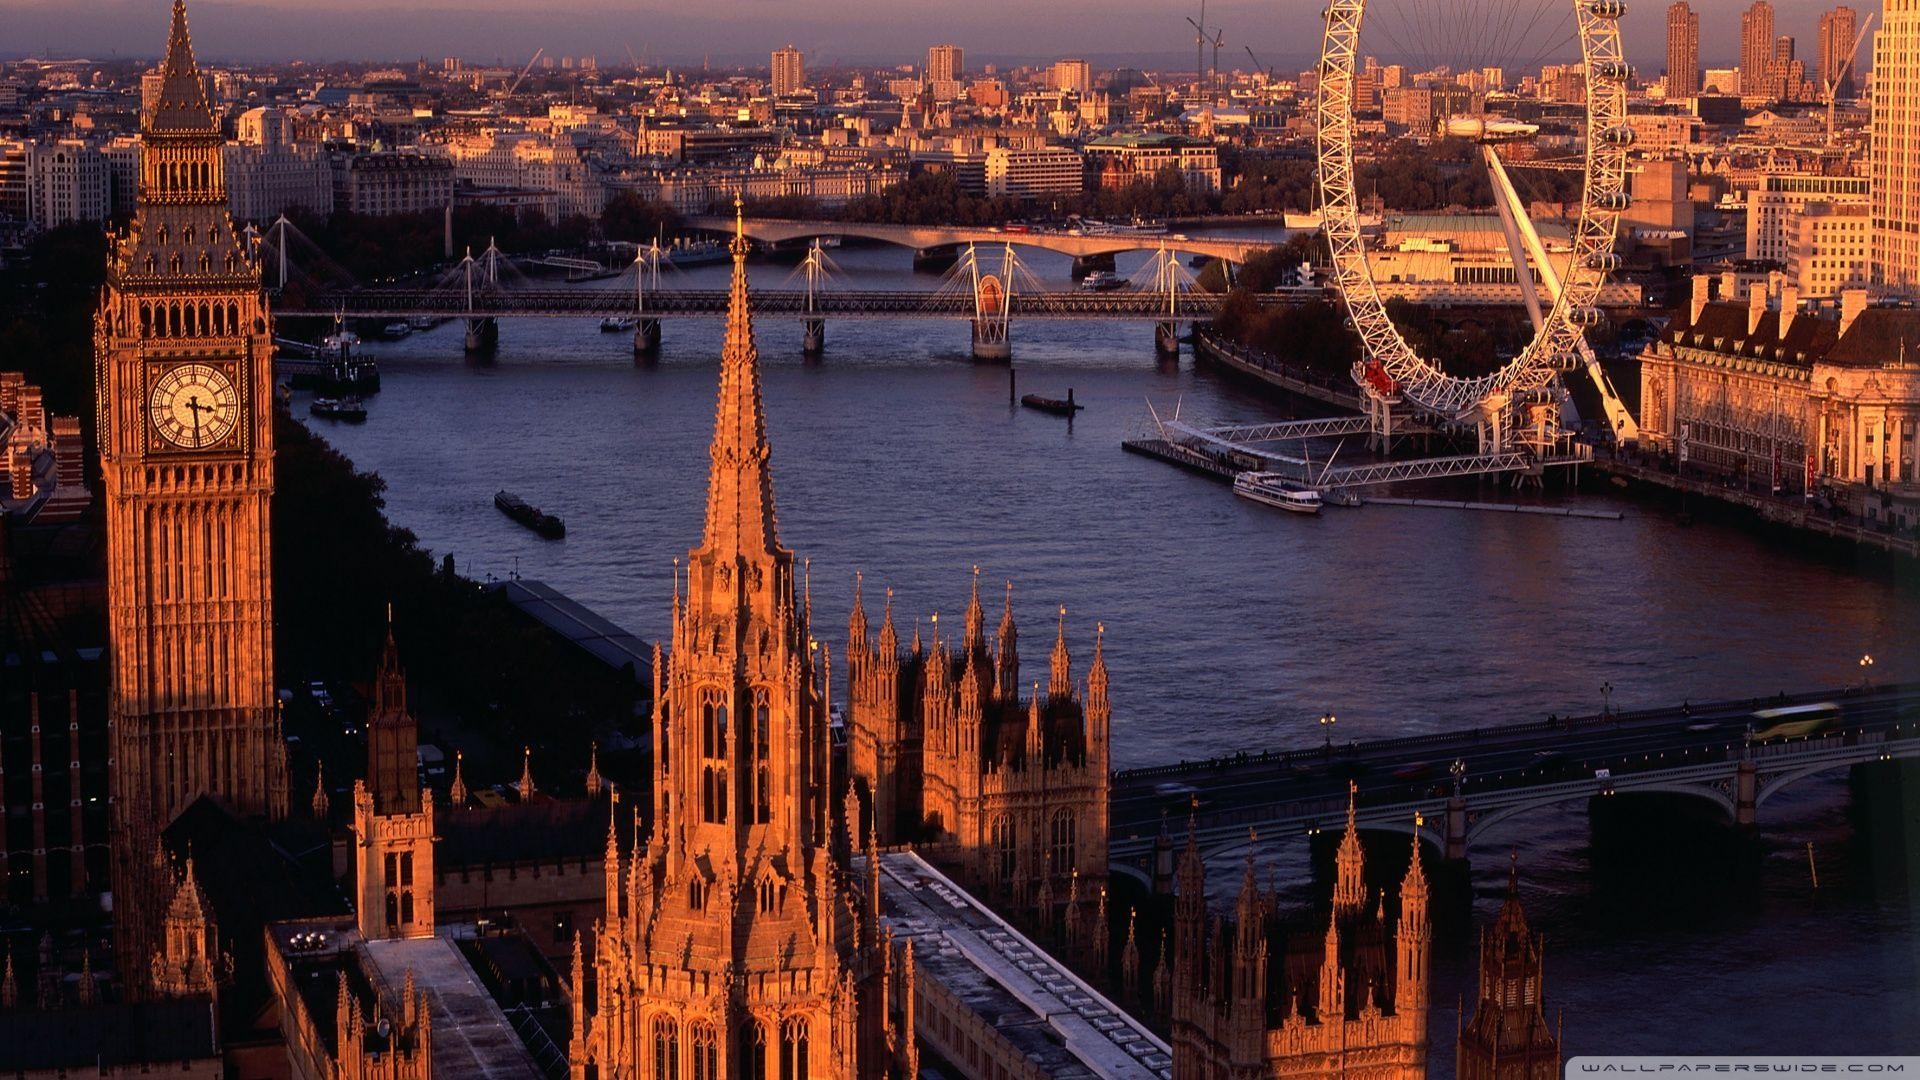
857 620
976 619
525 784
1349 890
594 780
182 106
457 793
390 684
740 517
1060 685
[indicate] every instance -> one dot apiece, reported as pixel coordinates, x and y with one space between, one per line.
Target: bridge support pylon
1456 834
1746 795
990 340
483 336
646 339
813 337
1166 337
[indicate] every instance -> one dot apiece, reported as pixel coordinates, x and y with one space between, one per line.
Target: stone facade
1508 1038
1764 393
1009 792
735 942
1248 1001
392 818
184 352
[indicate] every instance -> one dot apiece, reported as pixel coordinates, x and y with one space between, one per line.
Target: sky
1110 33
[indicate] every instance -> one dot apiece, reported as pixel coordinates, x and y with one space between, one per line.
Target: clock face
194 406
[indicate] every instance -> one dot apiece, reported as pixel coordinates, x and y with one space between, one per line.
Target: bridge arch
930 237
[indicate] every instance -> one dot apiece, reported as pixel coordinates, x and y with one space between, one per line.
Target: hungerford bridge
988 290
1453 787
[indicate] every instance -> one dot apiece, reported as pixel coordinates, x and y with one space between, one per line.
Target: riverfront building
1251 1000
1008 790
737 934
1757 390
1508 1037
185 363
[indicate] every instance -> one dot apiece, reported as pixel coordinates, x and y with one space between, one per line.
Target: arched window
706 1053
666 1049
146 320
393 911
1062 841
793 1049
763 811
406 908
1003 847
706 730
762 728
753 1051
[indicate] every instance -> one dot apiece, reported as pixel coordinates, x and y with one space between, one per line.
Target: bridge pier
1087 264
813 337
990 340
483 336
1166 338
936 258
1456 833
1746 795
646 338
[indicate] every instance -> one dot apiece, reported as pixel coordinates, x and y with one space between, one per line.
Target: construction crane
1832 85
1199 49
537 53
1263 69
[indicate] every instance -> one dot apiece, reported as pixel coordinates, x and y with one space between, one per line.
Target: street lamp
1606 699
1459 772
1327 720
1866 671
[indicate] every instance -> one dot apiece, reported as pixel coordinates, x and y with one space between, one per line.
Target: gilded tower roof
182 106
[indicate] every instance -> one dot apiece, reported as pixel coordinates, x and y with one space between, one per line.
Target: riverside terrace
1460 782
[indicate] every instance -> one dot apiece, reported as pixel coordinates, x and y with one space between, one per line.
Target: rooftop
1065 1027
572 620
472 1036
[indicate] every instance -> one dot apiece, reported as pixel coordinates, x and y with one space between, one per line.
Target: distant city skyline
734 33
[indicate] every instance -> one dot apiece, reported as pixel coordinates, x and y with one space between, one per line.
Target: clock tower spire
183 361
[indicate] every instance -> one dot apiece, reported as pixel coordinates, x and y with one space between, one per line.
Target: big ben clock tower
184 371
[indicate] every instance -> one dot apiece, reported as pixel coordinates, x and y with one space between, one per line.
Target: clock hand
193 409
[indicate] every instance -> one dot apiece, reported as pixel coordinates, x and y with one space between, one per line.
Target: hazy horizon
731 33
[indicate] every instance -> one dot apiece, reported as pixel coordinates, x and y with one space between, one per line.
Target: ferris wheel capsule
1619 135
1612 201
1605 262
1587 315
1607 9
1614 70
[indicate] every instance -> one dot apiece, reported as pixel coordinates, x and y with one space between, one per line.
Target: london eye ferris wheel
1463 46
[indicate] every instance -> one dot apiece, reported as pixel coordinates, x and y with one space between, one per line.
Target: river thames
1228 625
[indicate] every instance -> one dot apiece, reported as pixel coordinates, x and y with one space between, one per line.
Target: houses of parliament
924 901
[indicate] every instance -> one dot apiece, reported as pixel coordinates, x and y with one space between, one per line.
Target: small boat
517 508
423 322
698 253
350 409
1294 501
1056 406
1102 281
614 324
397 329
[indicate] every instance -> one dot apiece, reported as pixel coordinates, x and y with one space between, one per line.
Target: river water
1228 625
